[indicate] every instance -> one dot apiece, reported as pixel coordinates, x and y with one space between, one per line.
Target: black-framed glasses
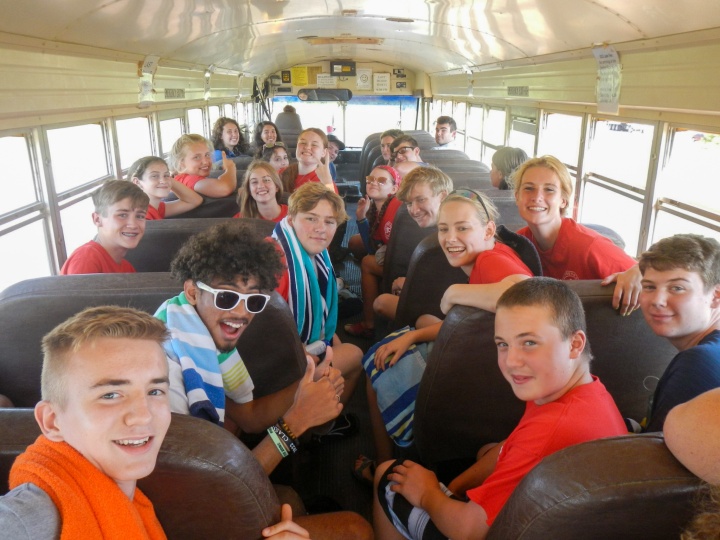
379 180
473 196
226 300
403 150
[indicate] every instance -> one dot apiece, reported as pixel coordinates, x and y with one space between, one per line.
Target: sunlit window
196 122
77 224
228 110
621 214
133 137
17 166
620 150
690 174
20 262
475 122
241 114
668 224
170 131
459 117
494 132
560 136
70 169
214 114
522 134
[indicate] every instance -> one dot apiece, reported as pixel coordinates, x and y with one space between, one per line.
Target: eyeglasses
226 300
403 150
379 180
473 196
276 144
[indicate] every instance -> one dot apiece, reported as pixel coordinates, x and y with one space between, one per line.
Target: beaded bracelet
278 443
284 438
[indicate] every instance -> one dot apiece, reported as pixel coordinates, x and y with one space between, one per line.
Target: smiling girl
375 214
266 134
152 175
191 158
277 156
313 163
227 137
260 194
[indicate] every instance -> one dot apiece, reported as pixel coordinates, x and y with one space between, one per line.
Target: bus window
228 110
241 113
620 150
26 263
473 143
78 155
560 137
77 224
196 122
133 136
622 214
493 133
213 114
170 131
459 117
16 160
522 134
668 223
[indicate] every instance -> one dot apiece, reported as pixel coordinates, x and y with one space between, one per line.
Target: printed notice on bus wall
299 76
608 79
325 80
381 82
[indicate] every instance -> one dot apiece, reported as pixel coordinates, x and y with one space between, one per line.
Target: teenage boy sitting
680 300
103 416
119 216
227 272
540 337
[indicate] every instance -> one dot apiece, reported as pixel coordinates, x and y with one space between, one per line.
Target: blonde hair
483 216
434 177
309 195
248 205
87 327
177 152
555 165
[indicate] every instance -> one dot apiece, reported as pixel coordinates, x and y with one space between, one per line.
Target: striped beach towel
209 374
397 387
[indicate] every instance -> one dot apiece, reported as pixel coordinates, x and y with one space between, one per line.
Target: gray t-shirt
27 512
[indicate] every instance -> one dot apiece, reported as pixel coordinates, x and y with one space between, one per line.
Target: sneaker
345 425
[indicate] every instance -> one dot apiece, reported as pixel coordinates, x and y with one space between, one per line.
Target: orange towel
90 503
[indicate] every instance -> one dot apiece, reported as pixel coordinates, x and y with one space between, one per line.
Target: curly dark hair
240 148
226 251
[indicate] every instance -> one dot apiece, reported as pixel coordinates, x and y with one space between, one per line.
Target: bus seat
428 277
372 155
608 233
463 364
31 308
211 207
469 179
406 235
163 238
429 155
621 487
504 201
200 467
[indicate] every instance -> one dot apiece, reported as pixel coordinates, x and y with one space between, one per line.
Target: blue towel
397 387
209 375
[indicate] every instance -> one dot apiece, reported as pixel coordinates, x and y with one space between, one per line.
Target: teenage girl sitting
568 250
191 157
375 214
259 196
276 155
504 162
266 134
466 233
152 175
227 137
313 164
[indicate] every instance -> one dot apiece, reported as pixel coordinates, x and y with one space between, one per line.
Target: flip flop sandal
365 463
358 329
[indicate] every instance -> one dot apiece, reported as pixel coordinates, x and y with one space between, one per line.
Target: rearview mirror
324 94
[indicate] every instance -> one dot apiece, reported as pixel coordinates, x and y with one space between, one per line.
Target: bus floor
322 473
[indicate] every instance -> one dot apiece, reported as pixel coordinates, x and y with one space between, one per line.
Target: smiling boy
680 300
103 416
541 341
120 209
